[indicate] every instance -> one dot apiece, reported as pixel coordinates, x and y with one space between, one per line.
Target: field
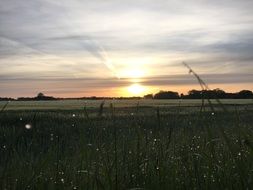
126 144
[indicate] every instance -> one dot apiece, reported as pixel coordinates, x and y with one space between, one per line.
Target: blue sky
81 48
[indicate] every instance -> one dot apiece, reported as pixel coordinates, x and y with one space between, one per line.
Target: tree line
199 94
192 94
43 97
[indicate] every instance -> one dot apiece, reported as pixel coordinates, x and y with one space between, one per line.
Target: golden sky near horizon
123 48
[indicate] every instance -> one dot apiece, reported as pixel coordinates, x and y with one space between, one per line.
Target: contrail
96 49
15 42
99 52
91 46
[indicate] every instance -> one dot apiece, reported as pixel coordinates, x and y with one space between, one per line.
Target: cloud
75 39
70 87
148 81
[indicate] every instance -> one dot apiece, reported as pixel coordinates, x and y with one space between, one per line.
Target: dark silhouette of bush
148 96
194 94
39 97
6 99
166 95
245 94
212 94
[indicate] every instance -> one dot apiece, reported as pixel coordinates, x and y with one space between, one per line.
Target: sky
75 48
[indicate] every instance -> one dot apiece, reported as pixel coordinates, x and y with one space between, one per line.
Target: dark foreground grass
140 149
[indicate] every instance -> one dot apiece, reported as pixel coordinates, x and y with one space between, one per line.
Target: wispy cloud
48 40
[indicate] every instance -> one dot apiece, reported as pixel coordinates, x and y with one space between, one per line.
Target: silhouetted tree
197 94
245 94
219 93
194 94
40 95
6 99
166 95
148 96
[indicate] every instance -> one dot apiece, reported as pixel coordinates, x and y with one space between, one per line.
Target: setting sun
136 89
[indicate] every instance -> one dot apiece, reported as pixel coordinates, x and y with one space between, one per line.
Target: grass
127 145
79 104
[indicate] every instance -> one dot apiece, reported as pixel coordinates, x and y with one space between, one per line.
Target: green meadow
118 103
126 144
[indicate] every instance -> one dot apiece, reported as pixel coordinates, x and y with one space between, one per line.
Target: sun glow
136 89
134 68
133 73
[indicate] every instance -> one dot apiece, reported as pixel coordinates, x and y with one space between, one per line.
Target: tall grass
165 150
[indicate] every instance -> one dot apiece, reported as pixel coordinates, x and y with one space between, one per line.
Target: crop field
126 144
94 104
